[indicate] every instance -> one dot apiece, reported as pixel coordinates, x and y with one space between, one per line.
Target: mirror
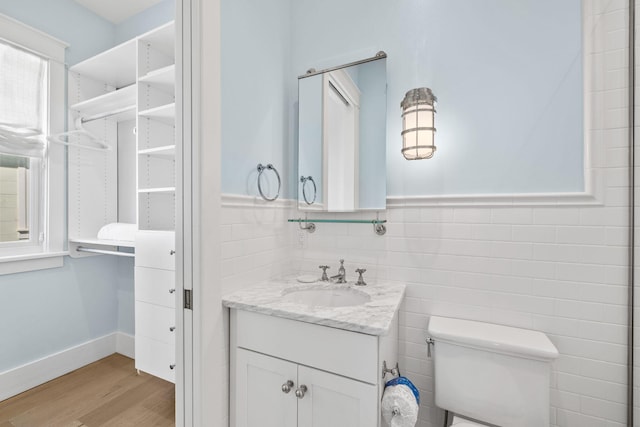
342 115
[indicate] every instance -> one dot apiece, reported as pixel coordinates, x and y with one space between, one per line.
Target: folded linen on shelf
118 231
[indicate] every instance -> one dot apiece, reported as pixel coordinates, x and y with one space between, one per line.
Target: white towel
118 231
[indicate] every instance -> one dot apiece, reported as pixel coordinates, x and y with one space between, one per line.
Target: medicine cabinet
342 137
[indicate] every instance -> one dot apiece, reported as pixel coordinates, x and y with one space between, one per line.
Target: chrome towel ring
261 169
304 180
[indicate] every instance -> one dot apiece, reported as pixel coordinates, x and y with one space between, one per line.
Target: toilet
488 374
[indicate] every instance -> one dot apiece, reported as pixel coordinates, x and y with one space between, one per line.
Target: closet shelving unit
131 86
156 201
103 95
126 97
156 130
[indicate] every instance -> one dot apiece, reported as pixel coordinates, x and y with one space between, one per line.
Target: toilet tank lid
497 338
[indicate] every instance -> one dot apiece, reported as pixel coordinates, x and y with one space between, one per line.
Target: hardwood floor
108 392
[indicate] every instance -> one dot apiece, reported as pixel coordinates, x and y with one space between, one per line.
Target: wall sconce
418 124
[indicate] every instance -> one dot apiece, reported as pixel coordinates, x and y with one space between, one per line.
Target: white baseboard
32 374
125 345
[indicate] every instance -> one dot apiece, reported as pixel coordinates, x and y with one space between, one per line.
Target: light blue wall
507 74
125 296
144 21
86 32
256 83
47 311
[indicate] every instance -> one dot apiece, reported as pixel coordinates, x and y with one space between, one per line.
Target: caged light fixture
418 124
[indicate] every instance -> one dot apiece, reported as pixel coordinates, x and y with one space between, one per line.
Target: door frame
202 390
184 318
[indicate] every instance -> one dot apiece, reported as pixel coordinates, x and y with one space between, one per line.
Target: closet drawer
155 286
156 358
156 249
155 322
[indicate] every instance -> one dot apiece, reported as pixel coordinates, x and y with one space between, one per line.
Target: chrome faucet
341 277
324 277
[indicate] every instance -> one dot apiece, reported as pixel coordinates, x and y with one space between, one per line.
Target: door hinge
187 299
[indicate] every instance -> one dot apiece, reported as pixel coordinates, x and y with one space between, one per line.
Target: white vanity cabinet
274 359
155 319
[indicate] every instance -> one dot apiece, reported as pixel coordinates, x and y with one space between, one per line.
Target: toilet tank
492 373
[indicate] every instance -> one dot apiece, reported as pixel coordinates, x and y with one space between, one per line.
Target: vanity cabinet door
260 399
335 401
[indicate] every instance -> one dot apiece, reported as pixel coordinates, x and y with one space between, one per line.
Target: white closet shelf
164 113
121 99
104 242
168 151
163 78
162 39
165 190
116 66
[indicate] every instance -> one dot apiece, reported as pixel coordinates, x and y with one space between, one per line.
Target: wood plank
57 399
45 392
107 392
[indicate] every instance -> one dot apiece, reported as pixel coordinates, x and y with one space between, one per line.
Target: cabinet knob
171 291
300 391
172 328
172 366
172 252
286 387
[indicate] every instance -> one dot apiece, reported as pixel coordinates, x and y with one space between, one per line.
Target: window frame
47 252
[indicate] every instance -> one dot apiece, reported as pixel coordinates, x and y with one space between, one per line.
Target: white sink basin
323 297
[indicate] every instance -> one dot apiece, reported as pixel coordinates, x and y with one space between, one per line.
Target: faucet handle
360 281
324 277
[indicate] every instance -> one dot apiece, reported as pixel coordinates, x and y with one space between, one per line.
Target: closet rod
105 252
107 114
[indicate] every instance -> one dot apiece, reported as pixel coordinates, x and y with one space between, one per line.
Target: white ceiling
117 11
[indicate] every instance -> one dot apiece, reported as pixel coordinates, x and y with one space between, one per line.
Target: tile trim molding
462 200
489 200
242 201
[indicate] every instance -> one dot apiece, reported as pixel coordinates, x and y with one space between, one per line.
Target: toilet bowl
491 374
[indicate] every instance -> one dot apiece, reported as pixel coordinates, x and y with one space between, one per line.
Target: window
19 209
23 108
31 170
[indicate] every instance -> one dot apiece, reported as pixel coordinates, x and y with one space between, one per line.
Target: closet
121 178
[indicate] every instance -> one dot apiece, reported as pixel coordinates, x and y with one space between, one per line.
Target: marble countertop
372 318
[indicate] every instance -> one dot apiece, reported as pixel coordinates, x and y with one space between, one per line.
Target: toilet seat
461 422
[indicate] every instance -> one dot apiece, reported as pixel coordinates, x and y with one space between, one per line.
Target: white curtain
22 101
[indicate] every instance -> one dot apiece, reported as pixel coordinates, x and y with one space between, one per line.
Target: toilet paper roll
400 403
